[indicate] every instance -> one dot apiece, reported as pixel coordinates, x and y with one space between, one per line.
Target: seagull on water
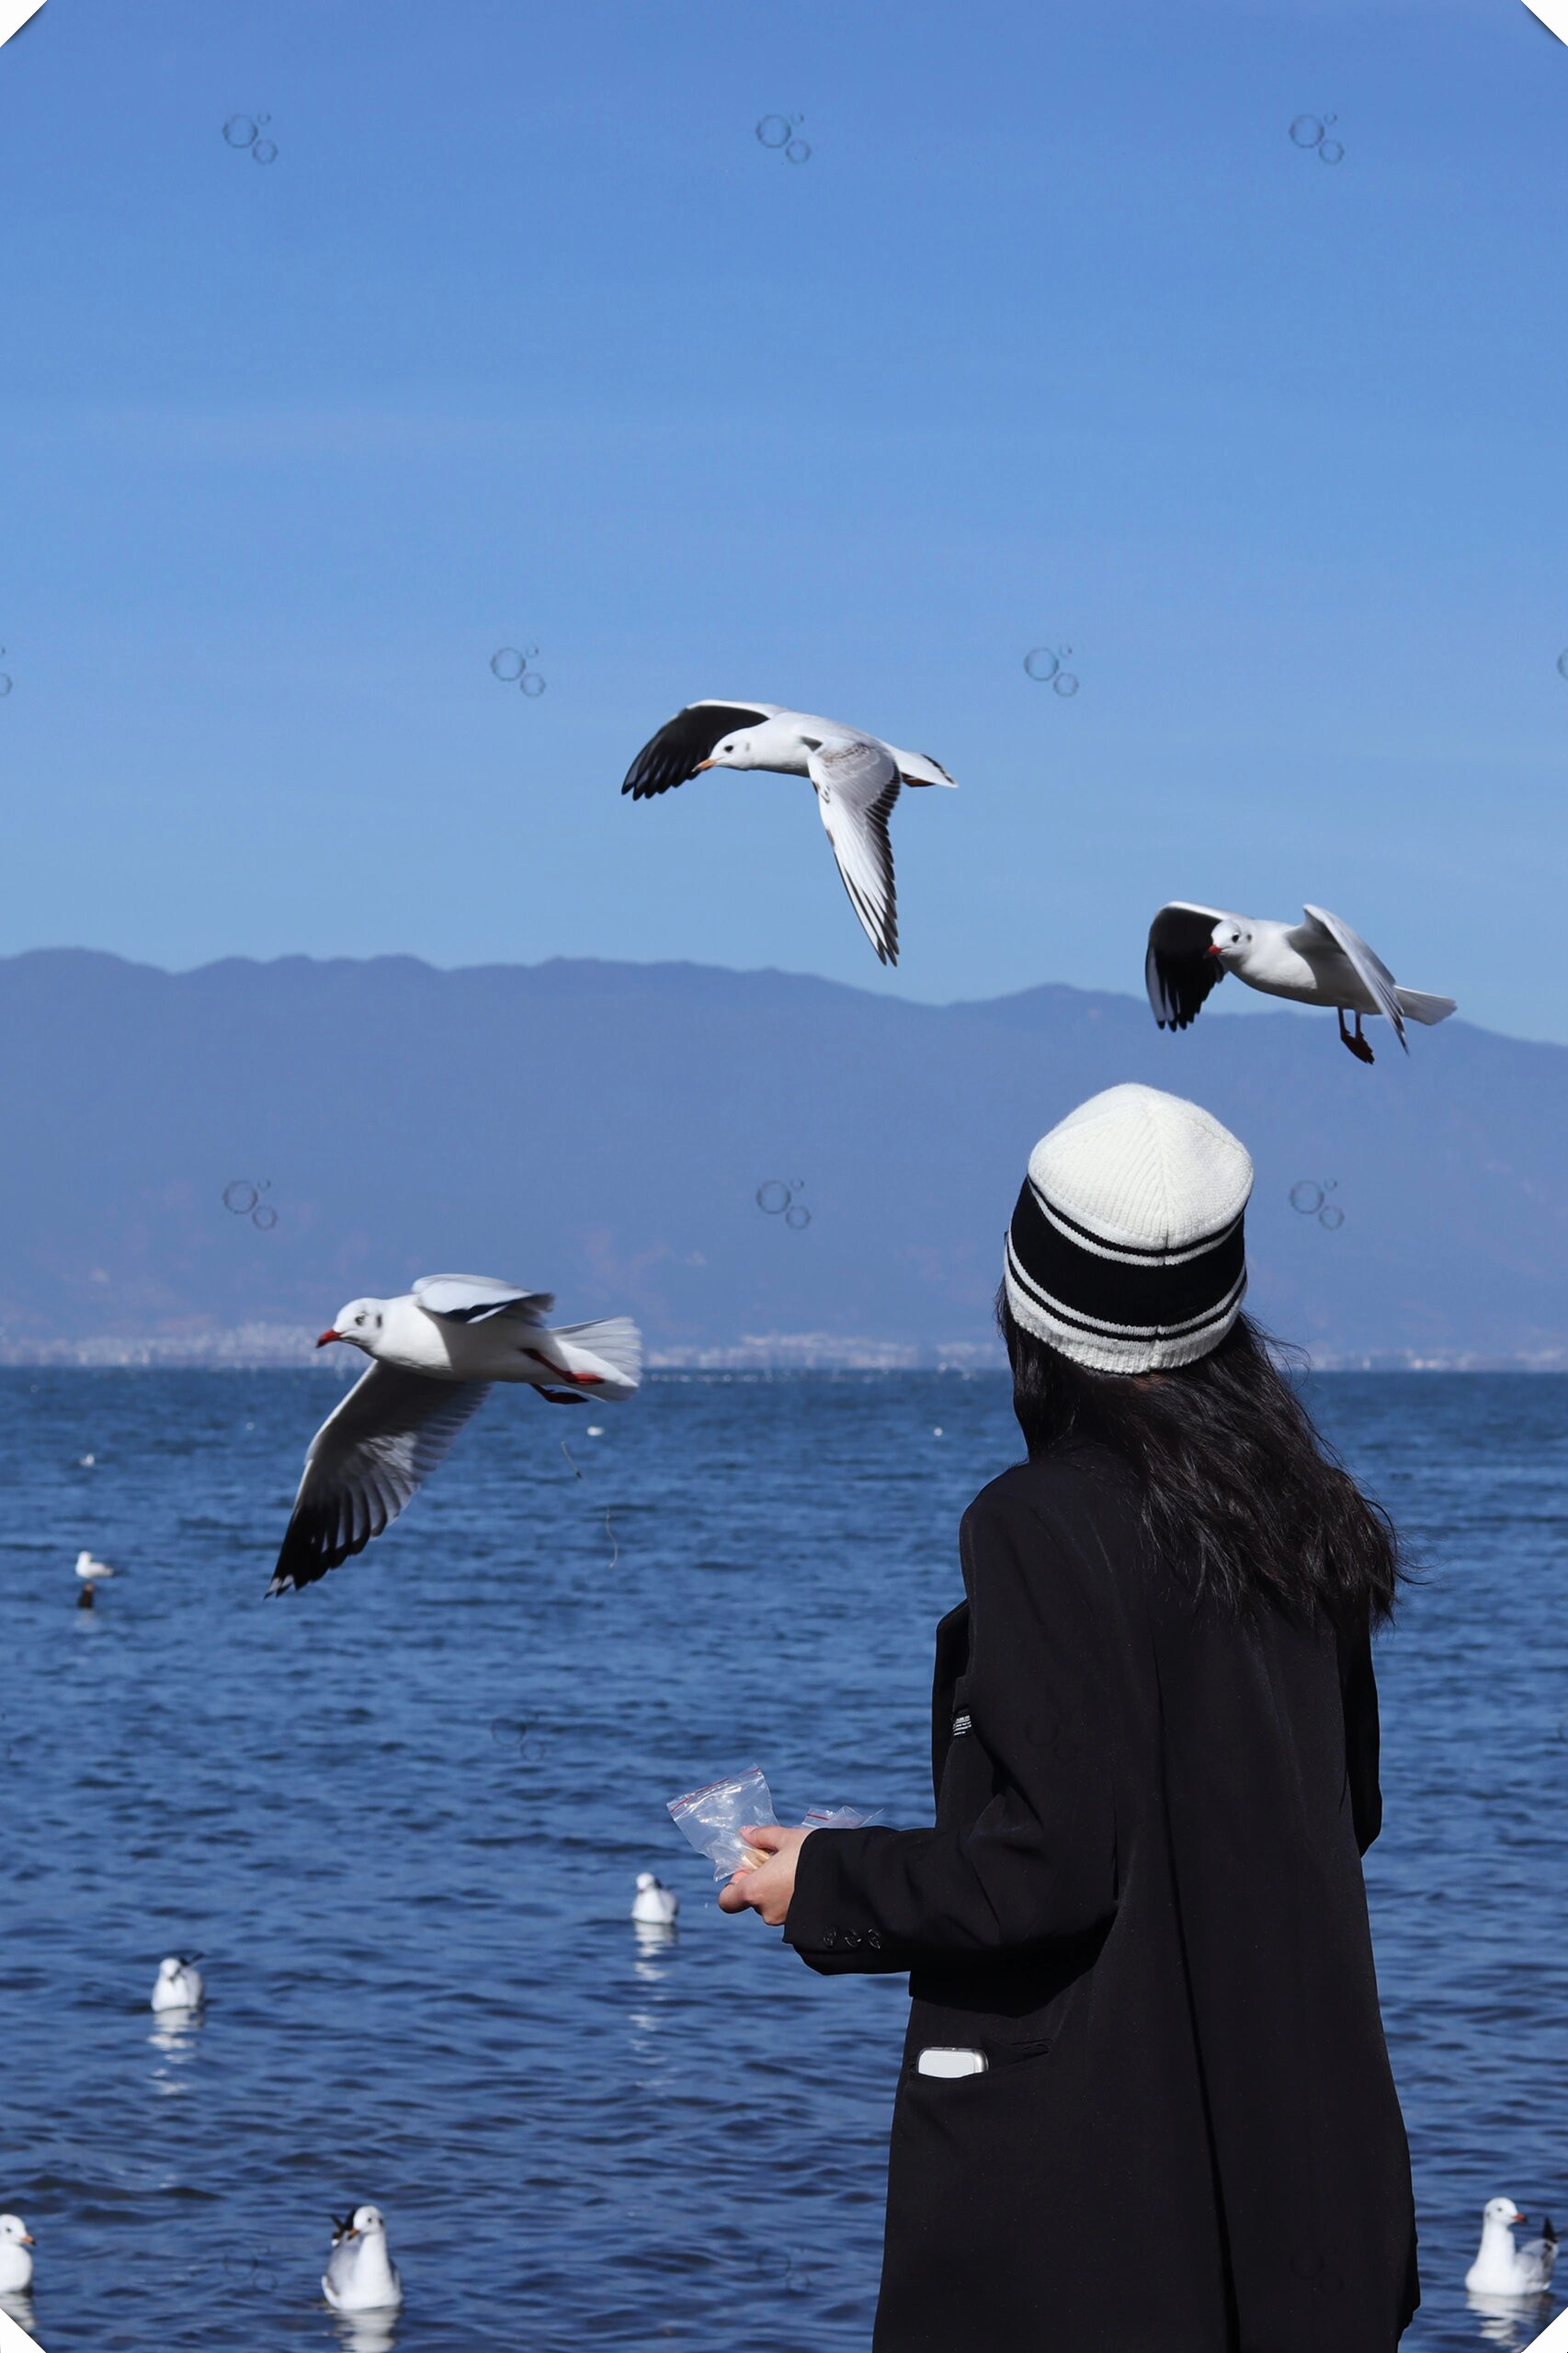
87 1567
1317 961
857 779
654 1905
434 1354
1501 2269
360 2276
16 2254
179 1984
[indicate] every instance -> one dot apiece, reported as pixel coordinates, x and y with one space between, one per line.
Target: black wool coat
1142 1901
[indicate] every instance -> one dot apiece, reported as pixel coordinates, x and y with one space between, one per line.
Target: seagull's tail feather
609 1354
1427 1009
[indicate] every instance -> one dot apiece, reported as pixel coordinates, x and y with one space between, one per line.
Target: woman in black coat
1146 2104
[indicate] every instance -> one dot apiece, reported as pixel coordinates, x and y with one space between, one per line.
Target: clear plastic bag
714 1818
838 1817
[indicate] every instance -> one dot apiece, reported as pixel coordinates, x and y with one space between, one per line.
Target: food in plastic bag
714 1818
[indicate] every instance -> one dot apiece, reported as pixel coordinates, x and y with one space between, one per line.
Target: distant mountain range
605 1129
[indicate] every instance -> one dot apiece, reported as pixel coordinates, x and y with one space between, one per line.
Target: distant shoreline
282 1348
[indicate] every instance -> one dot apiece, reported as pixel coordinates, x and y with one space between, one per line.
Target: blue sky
1055 338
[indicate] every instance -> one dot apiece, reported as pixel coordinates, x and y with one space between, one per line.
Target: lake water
400 1814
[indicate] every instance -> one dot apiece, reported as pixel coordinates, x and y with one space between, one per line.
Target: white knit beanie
1126 1249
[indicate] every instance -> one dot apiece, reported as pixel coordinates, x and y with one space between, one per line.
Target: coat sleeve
1358 1694
1028 1858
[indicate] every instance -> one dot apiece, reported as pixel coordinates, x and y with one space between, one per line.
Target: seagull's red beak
1213 948
1521 2218
326 1336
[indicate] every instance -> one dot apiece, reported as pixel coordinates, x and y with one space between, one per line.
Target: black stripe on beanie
1134 1291
1120 1336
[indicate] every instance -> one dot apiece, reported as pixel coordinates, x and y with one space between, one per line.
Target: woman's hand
765 1887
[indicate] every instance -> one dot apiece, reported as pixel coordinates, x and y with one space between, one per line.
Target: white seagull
360 2276
1501 2269
654 1905
856 776
16 2254
1317 961
179 1984
87 1567
434 1353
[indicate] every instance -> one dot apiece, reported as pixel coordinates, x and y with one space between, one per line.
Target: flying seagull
1318 961
857 777
434 1354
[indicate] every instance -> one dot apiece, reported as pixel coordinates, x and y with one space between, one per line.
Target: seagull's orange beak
27 2239
700 765
326 1336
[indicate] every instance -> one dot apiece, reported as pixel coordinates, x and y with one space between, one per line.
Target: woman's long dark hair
1241 1498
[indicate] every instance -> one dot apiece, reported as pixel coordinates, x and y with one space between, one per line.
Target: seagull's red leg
1356 1045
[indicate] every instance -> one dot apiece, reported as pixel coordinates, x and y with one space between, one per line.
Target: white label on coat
938 2061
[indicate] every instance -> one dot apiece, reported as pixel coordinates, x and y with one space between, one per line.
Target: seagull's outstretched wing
1178 970
857 782
916 767
685 742
474 1299
367 1460
1369 970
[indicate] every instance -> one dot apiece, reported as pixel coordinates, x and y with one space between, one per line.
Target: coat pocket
1001 2058
976 2168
